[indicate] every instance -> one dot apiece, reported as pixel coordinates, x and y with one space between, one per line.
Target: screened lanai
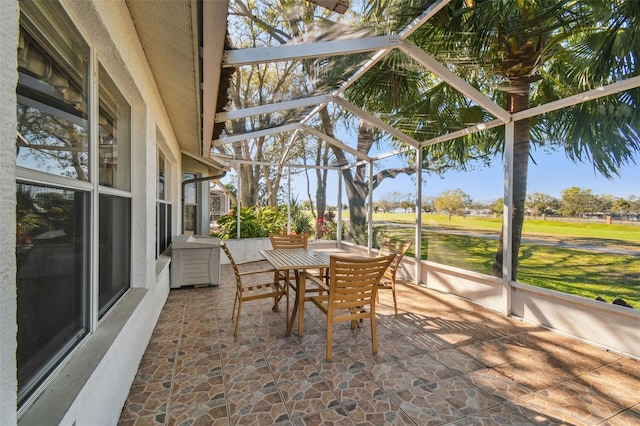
126 110
369 91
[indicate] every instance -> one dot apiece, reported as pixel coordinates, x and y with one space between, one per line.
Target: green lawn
567 269
532 227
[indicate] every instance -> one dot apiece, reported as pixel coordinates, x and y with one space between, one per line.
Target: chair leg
374 335
276 279
393 290
286 296
234 305
235 330
329 340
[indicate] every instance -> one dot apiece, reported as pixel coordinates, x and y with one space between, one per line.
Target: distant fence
585 220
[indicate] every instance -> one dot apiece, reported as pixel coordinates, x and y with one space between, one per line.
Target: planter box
195 260
248 249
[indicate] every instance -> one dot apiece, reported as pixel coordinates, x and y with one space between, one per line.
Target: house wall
8 79
93 383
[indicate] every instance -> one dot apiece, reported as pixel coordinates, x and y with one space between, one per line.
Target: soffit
167 31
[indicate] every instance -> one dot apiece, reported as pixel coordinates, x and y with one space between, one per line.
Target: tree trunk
518 100
322 159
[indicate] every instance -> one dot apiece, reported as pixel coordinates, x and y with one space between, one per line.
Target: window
57 229
163 208
114 124
52 251
190 203
114 148
115 249
53 130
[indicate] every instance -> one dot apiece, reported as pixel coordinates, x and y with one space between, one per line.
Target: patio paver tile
445 361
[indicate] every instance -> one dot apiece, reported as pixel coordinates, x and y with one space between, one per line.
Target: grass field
554 255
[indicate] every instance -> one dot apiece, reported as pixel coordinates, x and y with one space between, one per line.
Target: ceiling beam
424 17
253 135
375 121
334 141
392 153
590 95
261 55
291 165
287 150
271 108
406 32
429 62
322 101
463 132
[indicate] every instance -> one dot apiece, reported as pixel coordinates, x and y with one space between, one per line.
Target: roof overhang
185 59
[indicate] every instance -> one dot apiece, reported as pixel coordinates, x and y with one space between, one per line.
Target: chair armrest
249 262
319 281
261 271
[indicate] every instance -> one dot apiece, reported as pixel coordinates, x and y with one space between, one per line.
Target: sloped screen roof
420 72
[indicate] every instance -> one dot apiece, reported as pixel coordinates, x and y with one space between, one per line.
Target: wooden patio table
298 260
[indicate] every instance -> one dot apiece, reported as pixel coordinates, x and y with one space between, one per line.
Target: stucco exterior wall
91 387
8 318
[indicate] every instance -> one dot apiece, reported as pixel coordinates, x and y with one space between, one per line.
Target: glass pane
462 216
52 259
115 249
161 176
190 195
169 231
581 228
115 136
52 93
190 218
162 229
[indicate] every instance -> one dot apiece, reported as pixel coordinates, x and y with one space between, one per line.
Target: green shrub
301 221
255 222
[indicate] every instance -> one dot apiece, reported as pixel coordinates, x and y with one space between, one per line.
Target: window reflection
114 135
53 130
52 258
115 249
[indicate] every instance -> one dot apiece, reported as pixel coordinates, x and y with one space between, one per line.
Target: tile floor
440 361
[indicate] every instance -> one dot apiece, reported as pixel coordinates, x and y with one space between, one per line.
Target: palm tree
521 54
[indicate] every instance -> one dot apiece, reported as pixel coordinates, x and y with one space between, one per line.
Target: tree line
573 202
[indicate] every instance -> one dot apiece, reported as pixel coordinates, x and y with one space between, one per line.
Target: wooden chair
285 241
292 241
388 281
353 284
253 291
288 241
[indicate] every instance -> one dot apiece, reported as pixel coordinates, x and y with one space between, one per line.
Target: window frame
164 203
90 255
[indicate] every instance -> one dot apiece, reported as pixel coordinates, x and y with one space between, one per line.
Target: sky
551 174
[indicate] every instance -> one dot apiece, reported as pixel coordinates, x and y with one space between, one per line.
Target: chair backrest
354 281
289 241
399 248
233 263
